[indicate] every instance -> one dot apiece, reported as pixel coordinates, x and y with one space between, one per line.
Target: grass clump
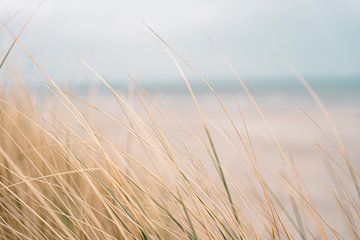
62 177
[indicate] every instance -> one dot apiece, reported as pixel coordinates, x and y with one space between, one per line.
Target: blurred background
260 37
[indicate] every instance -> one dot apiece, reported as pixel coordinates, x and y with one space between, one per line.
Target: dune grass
62 178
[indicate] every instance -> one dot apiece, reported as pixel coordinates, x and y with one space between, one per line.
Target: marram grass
61 177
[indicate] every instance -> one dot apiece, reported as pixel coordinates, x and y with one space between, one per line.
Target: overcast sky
319 37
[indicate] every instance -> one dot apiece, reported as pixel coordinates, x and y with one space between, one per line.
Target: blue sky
319 37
